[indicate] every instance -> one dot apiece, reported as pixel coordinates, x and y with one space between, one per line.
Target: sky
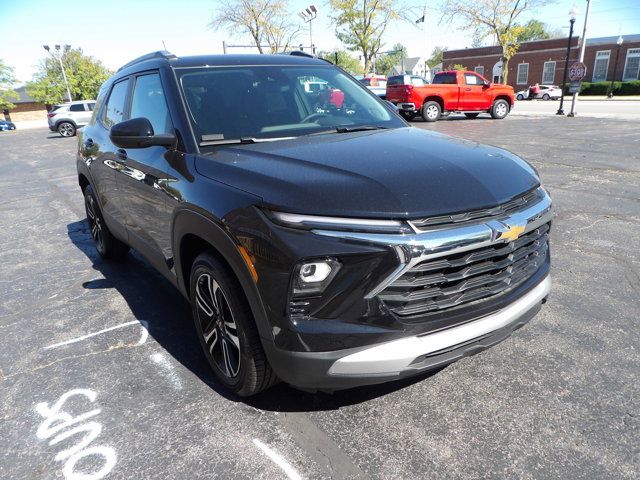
116 31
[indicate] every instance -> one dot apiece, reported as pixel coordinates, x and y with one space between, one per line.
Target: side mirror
486 85
138 133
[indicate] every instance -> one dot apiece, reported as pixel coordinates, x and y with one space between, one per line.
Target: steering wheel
313 116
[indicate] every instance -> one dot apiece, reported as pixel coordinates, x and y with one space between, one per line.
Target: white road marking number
61 426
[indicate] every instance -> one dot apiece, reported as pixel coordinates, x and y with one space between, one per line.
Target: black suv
320 239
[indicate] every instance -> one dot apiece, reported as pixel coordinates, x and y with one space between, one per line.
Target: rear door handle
121 155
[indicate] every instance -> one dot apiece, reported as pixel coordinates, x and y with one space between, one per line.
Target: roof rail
159 54
300 53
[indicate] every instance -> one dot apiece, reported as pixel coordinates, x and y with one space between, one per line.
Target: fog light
313 277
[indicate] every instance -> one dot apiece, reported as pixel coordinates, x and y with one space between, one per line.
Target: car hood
398 173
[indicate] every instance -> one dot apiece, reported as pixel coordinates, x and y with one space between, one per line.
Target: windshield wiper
241 141
360 128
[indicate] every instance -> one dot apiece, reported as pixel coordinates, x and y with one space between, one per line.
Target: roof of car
162 58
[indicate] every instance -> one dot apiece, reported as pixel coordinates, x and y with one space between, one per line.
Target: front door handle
467 89
88 143
121 155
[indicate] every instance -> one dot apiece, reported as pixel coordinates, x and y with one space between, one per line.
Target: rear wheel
471 114
67 129
226 328
500 109
431 111
407 115
106 244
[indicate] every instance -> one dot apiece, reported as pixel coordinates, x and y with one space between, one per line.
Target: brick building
542 61
26 108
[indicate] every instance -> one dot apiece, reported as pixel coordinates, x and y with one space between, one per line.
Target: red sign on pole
577 71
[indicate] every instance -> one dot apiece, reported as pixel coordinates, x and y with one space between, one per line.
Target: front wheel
471 114
500 109
226 328
519 97
546 96
431 111
67 129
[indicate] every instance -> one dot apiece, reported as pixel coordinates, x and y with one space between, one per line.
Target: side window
90 106
114 111
471 79
445 79
76 107
149 102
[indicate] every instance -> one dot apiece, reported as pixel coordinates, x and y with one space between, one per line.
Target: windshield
267 102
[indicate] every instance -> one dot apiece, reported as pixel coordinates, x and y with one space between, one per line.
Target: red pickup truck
452 91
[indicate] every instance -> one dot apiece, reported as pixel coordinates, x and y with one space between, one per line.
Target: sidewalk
28 124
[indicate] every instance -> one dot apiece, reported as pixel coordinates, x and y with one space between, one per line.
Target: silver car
66 118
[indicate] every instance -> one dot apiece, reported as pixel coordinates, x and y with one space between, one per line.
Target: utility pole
59 58
583 44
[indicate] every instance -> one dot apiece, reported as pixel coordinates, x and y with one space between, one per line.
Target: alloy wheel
66 130
432 111
218 326
501 109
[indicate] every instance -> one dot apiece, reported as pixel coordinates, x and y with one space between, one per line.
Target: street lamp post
615 66
308 15
572 19
59 58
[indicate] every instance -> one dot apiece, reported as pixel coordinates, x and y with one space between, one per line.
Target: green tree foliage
84 74
436 55
537 30
345 61
459 66
6 83
361 24
267 22
386 62
497 18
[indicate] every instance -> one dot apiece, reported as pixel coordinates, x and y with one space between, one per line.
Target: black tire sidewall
206 263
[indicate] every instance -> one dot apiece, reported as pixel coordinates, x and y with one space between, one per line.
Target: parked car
398 85
452 91
377 84
6 125
328 249
68 117
547 92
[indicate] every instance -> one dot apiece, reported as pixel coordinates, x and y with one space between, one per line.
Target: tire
226 328
519 97
407 115
431 111
546 96
108 246
471 114
66 129
500 109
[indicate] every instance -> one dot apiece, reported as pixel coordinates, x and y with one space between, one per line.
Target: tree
84 74
386 62
266 21
345 61
436 56
7 80
361 24
537 30
493 17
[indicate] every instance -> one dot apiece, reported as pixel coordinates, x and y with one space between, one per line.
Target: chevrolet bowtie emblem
513 233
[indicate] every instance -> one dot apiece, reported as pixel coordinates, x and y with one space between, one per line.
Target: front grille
447 282
518 203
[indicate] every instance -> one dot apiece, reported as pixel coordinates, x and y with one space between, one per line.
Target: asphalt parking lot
101 372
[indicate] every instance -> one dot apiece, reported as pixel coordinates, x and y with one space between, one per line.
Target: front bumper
407 356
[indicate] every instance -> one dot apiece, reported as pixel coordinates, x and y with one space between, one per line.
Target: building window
497 72
632 65
479 70
523 74
601 66
549 72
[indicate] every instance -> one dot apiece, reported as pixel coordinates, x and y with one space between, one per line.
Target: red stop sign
577 71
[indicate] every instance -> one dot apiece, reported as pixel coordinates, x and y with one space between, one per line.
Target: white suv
68 117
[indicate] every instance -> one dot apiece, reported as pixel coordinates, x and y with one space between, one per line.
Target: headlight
314 222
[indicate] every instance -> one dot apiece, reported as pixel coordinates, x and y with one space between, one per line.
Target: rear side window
76 107
149 102
114 112
396 80
365 81
445 79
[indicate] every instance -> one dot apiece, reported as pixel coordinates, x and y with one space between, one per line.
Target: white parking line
161 360
278 460
143 336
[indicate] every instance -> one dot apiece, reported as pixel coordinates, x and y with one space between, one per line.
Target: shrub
602 88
